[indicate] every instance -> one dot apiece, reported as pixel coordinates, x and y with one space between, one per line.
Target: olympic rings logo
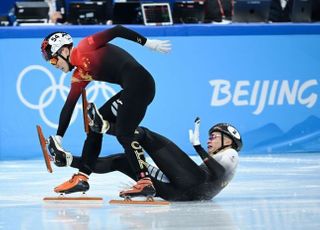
49 94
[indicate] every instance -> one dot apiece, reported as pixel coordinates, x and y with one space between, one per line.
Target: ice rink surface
268 192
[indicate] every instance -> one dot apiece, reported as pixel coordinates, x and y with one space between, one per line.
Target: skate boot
143 187
96 122
61 158
78 183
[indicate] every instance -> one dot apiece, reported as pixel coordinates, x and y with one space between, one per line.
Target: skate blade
76 199
84 111
43 145
142 202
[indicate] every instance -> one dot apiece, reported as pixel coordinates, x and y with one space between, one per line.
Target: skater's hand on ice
194 134
162 46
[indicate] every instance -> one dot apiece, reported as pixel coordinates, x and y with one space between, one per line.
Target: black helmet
231 132
53 43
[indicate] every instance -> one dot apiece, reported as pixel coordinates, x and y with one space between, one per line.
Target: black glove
61 158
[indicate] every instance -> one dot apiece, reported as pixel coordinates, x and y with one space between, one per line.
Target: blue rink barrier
175 30
262 78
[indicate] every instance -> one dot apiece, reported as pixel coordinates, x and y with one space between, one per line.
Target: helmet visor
214 135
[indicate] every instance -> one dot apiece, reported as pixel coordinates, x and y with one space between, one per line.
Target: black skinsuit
180 178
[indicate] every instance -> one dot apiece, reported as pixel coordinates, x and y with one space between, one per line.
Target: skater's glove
58 139
55 144
96 122
194 134
162 46
61 157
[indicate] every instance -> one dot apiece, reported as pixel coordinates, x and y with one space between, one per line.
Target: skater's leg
125 118
124 129
90 153
136 96
177 166
119 162
109 109
107 164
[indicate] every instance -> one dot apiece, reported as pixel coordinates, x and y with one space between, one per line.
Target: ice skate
143 188
96 122
78 183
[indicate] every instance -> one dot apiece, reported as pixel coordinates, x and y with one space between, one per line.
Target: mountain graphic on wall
302 137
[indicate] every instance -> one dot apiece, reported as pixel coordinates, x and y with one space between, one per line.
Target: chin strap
222 144
67 60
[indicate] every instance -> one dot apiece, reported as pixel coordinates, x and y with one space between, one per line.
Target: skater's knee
140 133
138 136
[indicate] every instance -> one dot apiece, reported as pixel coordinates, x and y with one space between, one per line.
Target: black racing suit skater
177 177
97 60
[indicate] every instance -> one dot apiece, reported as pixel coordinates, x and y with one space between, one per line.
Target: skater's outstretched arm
61 156
101 38
69 105
217 169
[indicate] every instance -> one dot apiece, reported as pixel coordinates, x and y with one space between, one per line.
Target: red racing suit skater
97 60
